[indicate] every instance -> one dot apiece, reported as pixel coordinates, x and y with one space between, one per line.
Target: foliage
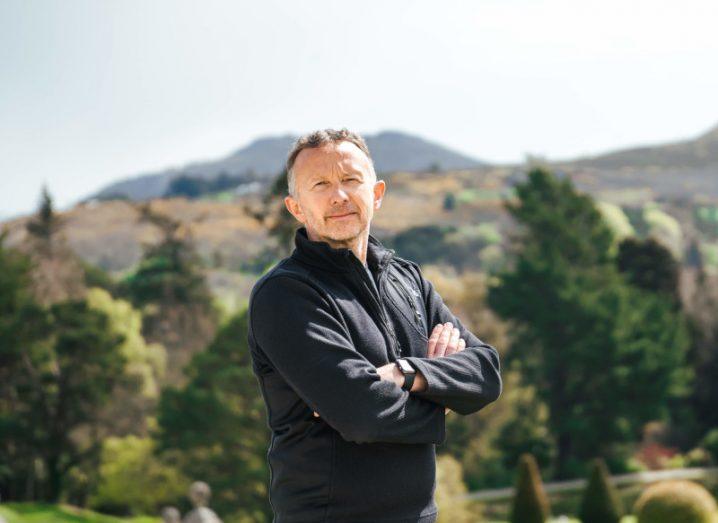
650 266
217 426
616 220
604 356
449 491
196 186
144 360
665 228
133 480
600 502
57 385
272 214
449 201
46 223
710 443
530 504
675 500
457 246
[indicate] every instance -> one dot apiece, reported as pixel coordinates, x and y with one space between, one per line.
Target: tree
600 502
649 265
56 385
23 324
530 504
216 424
46 223
604 356
170 288
274 216
57 273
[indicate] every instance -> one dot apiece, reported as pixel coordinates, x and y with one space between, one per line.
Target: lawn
43 513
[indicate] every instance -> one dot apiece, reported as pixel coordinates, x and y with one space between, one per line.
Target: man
355 385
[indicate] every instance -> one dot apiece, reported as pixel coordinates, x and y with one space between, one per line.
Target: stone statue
170 515
199 494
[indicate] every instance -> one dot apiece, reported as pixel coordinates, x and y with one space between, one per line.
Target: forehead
330 158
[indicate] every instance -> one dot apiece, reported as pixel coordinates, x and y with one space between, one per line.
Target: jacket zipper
394 342
402 289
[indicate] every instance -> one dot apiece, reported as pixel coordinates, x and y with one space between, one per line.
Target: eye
319 183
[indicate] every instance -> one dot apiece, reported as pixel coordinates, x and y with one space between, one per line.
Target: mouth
340 216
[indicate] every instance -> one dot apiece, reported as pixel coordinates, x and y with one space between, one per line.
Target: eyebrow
315 177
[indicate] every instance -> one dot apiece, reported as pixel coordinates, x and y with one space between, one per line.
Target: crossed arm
312 350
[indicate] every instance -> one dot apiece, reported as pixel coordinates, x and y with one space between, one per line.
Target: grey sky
95 90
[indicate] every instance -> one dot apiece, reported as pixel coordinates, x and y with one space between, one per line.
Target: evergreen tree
216 425
170 271
600 502
59 367
649 265
530 504
604 356
46 223
170 288
279 222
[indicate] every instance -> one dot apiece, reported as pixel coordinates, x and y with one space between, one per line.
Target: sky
93 91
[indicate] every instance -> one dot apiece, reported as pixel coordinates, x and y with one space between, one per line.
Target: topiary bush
530 502
675 501
600 502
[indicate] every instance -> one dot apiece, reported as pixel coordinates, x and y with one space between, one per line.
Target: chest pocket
406 298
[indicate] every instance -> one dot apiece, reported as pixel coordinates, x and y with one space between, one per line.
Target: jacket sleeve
465 381
300 334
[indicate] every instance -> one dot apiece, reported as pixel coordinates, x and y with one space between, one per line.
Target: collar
323 256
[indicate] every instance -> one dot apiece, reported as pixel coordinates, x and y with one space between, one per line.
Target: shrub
600 503
530 502
133 480
675 500
450 488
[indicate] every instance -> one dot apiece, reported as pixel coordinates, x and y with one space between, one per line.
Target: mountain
696 154
264 158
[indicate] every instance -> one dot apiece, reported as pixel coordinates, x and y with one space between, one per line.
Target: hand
445 340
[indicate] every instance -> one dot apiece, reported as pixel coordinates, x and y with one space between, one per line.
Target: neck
358 244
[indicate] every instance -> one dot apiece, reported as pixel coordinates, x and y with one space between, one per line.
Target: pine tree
46 222
217 424
530 503
603 355
600 502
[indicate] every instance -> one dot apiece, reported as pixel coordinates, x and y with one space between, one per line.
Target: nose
338 195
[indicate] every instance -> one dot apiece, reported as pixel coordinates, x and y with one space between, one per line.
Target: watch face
405 366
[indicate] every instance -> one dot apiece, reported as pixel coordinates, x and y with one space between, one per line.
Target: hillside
697 154
264 158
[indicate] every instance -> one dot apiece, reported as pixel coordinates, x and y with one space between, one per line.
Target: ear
379 189
293 207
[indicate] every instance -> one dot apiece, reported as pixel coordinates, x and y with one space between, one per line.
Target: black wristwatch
408 371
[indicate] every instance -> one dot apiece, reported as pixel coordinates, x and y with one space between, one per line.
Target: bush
600 503
675 500
530 502
710 443
450 488
133 480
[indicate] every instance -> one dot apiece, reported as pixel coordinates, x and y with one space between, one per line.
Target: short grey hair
318 139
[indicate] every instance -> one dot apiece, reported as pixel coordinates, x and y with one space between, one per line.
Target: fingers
315 414
433 339
453 345
443 341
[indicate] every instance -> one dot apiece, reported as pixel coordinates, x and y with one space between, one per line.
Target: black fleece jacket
317 333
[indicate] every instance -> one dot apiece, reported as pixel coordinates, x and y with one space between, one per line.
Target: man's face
336 193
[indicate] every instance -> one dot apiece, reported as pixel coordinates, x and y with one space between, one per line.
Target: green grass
46 513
